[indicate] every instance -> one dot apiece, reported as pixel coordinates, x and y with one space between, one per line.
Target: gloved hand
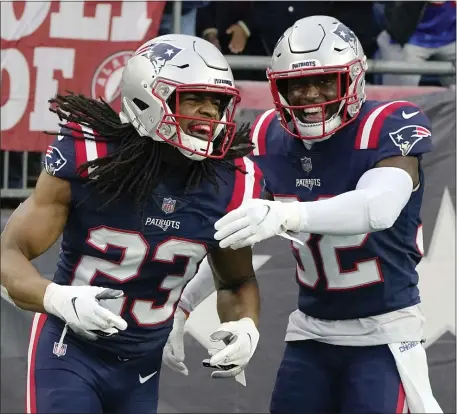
256 220
80 308
241 338
173 353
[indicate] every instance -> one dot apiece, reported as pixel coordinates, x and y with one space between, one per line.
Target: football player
347 183
136 196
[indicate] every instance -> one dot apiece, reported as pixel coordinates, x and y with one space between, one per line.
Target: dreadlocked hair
135 165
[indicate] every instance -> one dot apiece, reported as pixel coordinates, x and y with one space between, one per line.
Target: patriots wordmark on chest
161 223
309 183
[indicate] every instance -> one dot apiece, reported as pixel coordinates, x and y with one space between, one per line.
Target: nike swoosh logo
407 116
144 379
73 300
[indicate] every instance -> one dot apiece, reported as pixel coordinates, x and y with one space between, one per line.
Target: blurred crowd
391 30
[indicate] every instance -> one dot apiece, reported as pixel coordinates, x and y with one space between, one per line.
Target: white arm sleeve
199 288
375 204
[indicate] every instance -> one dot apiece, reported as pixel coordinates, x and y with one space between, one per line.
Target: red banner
50 47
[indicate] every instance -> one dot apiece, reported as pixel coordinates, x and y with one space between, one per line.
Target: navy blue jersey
150 251
361 275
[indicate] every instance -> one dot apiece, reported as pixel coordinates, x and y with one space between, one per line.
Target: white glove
80 308
256 220
173 353
241 338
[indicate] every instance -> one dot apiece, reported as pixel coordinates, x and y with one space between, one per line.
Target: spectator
417 32
188 17
222 23
253 28
271 18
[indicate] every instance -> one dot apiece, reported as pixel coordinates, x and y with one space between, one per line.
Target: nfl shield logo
306 164
59 351
168 205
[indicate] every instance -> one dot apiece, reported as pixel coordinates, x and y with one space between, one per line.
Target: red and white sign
50 47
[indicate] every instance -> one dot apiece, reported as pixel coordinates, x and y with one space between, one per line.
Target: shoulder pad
247 185
259 131
396 128
73 147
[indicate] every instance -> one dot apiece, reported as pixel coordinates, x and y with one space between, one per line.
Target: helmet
318 46
155 78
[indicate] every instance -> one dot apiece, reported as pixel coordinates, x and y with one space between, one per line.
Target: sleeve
72 148
198 289
248 185
259 131
265 145
393 129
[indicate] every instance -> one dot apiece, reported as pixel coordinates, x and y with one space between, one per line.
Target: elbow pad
387 190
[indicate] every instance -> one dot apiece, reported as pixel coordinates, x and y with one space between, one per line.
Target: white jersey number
135 251
326 250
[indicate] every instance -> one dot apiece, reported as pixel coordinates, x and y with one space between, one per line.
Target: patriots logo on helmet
159 54
346 34
406 137
54 160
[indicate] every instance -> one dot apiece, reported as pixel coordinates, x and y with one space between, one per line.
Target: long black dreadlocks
134 165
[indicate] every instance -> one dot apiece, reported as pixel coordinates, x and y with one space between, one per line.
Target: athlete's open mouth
201 130
313 115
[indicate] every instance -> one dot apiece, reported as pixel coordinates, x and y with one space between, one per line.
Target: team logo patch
346 34
106 81
168 205
59 351
406 137
54 160
159 54
306 164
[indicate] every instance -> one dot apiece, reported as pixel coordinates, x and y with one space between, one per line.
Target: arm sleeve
198 289
375 204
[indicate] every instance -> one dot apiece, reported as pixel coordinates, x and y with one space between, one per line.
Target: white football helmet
312 46
153 80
